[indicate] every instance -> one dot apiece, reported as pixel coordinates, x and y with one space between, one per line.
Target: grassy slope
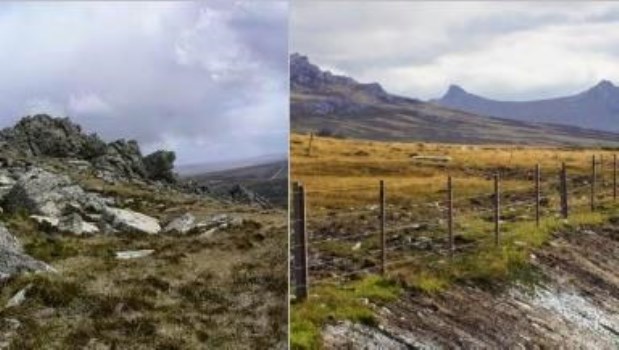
427 122
336 164
225 291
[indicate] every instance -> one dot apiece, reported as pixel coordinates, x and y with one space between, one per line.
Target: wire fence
334 246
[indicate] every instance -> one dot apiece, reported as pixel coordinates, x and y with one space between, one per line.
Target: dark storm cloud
507 50
207 79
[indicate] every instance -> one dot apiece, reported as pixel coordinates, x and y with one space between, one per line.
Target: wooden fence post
593 179
600 171
614 177
300 251
383 258
537 194
450 215
309 146
497 209
564 199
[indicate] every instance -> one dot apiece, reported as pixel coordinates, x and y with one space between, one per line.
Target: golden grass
336 165
224 291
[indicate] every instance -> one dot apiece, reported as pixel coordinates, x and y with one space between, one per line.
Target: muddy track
574 305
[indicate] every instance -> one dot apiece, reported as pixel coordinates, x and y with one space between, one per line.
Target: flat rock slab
131 221
134 254
181 224
42 220
19 297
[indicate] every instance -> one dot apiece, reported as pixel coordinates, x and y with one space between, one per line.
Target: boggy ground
224 289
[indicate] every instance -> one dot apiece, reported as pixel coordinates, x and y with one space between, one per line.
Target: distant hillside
211 167
595 108
322 101
269 180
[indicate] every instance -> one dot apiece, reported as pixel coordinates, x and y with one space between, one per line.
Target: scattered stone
134 254
6 181
357 246
75 224
209 233
181 224
8 241
19 297
131 221
45 220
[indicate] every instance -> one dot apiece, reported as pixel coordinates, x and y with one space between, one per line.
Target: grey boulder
181 224
13 262
41 192
131 221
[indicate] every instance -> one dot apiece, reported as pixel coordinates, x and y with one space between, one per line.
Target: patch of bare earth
573 304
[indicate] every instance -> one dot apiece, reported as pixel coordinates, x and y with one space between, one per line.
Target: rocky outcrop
122 159
40 192
43 193
130 221
42 135
340 93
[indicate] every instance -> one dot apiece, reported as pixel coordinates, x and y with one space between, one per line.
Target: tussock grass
329 302
334 165
226 291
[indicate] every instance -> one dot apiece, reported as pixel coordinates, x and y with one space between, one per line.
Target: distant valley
268 180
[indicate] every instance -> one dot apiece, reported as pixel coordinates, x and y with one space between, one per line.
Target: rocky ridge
596 107
33 184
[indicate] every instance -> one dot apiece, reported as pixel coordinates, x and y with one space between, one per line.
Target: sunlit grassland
339 164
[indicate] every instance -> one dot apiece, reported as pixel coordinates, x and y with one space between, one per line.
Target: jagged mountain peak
603 89
604 84
454 91
306 77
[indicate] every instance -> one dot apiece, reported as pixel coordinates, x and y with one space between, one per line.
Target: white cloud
150 70
508 50
88 104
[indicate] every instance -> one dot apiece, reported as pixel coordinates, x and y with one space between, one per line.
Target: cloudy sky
206 79
510 51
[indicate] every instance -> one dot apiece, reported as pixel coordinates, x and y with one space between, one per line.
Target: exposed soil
574 303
